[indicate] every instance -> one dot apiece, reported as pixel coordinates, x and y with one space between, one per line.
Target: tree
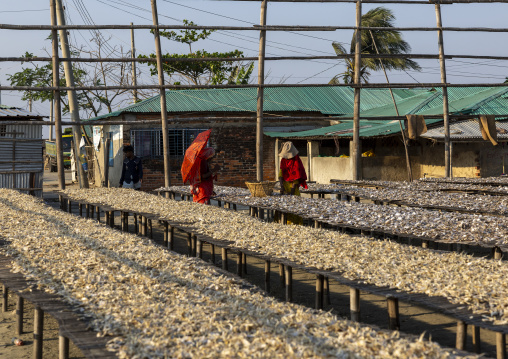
90 102
203 72
387 42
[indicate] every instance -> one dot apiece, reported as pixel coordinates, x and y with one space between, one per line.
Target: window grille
148 143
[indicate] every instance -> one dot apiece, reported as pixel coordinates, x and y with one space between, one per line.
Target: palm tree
387 41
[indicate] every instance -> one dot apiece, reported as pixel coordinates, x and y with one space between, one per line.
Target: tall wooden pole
164 113
446 114
261 81
51 119
356 156
408 162
134 78
73 102
56 98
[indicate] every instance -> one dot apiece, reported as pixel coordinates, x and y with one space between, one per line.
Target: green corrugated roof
461 100
325 100
368 128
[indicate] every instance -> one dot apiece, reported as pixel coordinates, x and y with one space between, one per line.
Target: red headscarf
292 170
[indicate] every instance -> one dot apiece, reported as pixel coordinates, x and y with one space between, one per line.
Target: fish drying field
446 226
155 303
476 283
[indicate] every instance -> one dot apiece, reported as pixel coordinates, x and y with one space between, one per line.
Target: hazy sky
242 13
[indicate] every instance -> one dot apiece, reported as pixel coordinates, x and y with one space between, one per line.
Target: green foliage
38 75
387 42
203 72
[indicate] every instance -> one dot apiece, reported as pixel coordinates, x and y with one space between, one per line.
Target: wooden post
354 304
98 213
189 244
319 291
38 330
289 284
81 209
194 245
260 99
106 217
498 253
281 274
92 209
326 292
166 234
239 265
19 315
501 345
234 206
446 114
63 347
71 94
244 263
356 158
199 249
261 213
136 228
212 248
267 276
164 112
460 341
145 226
5 298
477 348
224 258
150 227
56 99
107 145
134 75
393 313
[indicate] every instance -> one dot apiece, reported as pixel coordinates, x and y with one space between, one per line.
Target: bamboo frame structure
261 59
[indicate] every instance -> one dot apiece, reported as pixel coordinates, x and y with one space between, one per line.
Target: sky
247 13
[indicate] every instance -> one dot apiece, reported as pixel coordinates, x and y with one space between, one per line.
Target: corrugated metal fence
21 158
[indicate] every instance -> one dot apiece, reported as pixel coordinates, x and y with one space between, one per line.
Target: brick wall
235 154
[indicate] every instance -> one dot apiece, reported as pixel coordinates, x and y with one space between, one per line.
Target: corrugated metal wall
21 162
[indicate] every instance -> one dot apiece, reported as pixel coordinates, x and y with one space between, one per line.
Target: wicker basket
261 189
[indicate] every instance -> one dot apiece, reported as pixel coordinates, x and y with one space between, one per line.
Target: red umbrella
190 164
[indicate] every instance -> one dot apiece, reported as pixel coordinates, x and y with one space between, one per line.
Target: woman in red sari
292 173
202 184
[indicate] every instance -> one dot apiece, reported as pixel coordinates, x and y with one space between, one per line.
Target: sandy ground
414 320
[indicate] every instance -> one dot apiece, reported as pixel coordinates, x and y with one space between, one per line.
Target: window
3 130
148 143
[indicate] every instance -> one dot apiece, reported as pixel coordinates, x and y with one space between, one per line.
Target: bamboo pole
460 341
408 162
354 304
445 91
356 158
63 347
71 94
38 332
134 75
267 276
5 298
260 98
19 315
319 291
56 98
164 114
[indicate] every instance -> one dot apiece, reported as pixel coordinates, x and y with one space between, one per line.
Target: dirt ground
413 320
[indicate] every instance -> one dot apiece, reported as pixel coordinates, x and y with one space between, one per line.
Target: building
381 140
231 113
21 149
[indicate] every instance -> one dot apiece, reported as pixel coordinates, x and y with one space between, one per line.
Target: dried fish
155 303
475 282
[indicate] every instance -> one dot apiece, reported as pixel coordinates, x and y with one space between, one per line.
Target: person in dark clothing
132 170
